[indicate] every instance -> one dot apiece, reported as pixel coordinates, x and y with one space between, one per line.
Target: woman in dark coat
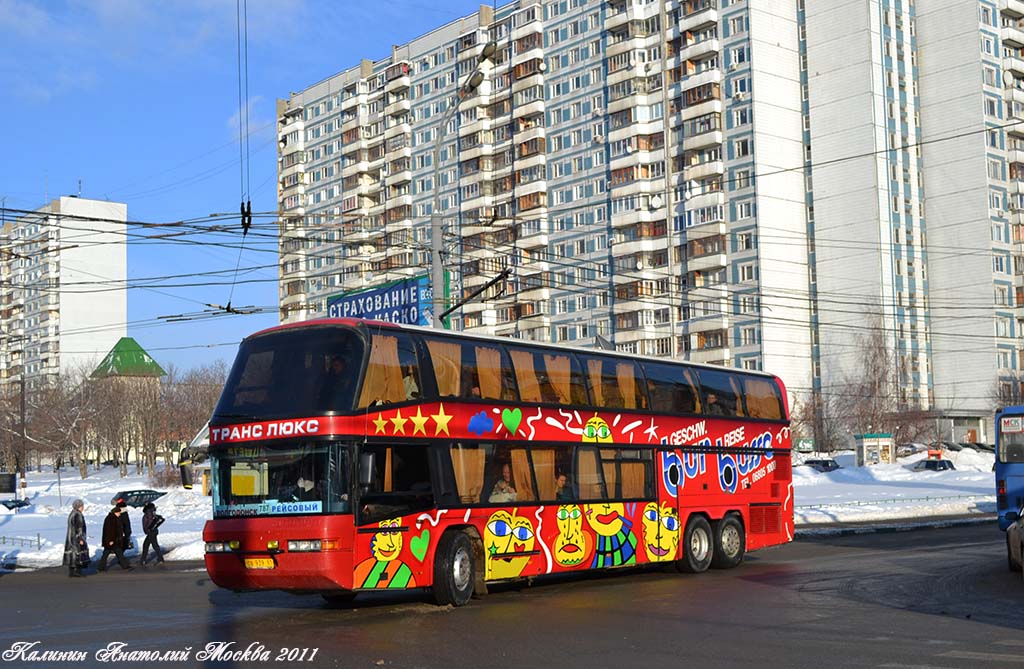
76 548
151 521
113 540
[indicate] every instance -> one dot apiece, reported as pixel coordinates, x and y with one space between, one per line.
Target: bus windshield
1011 439
280 479
291 373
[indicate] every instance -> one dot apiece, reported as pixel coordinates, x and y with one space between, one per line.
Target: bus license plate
259 563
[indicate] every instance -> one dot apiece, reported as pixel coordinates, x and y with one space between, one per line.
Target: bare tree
61 412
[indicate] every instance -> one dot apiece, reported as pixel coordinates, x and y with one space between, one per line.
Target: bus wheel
453 569
697 546
730 543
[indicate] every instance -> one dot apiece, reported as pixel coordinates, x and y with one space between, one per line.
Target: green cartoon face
596 430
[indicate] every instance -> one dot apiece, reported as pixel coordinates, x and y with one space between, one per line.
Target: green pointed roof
127 358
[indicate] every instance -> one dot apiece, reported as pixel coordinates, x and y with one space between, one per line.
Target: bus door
661 518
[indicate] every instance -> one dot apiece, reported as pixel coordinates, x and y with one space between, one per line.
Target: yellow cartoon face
597 430
508 541
605 517
572 546
661 532
387 543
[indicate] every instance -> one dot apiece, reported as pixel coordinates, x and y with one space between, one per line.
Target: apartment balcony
1013 94
704 230
398 129
1012 7
353 101
700 50
530 109
535 79
711 76
702 200
707 107
710 356
357 167
352 123
634 246
398 107
399 177
698 15
1014 64
702 170
398 83
616 16
1012 36
702 140
474 126
535 26
536 53
707 262
1016 187
623 46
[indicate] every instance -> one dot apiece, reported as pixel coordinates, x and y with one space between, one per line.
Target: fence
895 500
22 541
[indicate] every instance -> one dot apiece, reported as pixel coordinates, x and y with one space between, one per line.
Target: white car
1015 540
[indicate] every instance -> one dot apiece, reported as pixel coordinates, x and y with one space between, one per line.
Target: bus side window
763 399
446 359
468 462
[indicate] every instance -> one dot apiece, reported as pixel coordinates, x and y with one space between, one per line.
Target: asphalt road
924 598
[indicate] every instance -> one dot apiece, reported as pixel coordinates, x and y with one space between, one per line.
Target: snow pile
895 492
34 536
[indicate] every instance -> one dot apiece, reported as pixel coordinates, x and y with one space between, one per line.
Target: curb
907 525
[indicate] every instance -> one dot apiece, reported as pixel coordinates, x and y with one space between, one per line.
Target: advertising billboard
406 301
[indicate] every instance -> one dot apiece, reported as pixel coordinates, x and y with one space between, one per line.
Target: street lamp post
472 82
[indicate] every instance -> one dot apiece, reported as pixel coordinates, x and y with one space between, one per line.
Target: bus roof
364 323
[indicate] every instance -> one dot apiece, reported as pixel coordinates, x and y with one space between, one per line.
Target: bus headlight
304 545
217 547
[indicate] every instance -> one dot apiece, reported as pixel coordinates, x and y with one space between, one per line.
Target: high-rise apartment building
630 163
759 183
53 318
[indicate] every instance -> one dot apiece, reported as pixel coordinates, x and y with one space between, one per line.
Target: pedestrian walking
151 522
113 540
126 523
76 547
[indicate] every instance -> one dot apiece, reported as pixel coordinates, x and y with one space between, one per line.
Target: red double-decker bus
351 456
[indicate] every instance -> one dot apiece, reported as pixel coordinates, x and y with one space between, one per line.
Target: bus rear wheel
730 543
454 574
1010 562
697 546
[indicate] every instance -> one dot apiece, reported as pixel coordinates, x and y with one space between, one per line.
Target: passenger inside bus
563 491
504 489
336 386
412 388
715 407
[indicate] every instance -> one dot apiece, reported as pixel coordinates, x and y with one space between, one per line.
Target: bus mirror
1012 516
186 474
367 462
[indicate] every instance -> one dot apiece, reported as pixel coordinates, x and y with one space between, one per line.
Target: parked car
137 498
931 465
1015 540
903 450
983 448
13 504
822 464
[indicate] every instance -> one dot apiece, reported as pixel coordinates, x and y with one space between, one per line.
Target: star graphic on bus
399 422
419 423
441 419
380 422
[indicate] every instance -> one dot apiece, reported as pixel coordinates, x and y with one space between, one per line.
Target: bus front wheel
453 569
697 546
730 543
1011 563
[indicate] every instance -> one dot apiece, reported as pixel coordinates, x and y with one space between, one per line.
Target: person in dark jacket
151 522
126 524
76 548
113 540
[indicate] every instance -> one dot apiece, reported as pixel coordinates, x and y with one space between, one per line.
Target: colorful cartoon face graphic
616 544
597 430
387 544
508 542
572 546
384 569
661 532
605 517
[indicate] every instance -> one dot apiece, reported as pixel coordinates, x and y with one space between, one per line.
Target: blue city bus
1009 462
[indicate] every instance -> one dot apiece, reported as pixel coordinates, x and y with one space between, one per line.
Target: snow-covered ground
849 494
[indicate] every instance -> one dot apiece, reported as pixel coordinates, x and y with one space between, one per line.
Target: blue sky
139 100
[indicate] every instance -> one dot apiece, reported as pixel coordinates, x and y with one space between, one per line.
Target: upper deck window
293 373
